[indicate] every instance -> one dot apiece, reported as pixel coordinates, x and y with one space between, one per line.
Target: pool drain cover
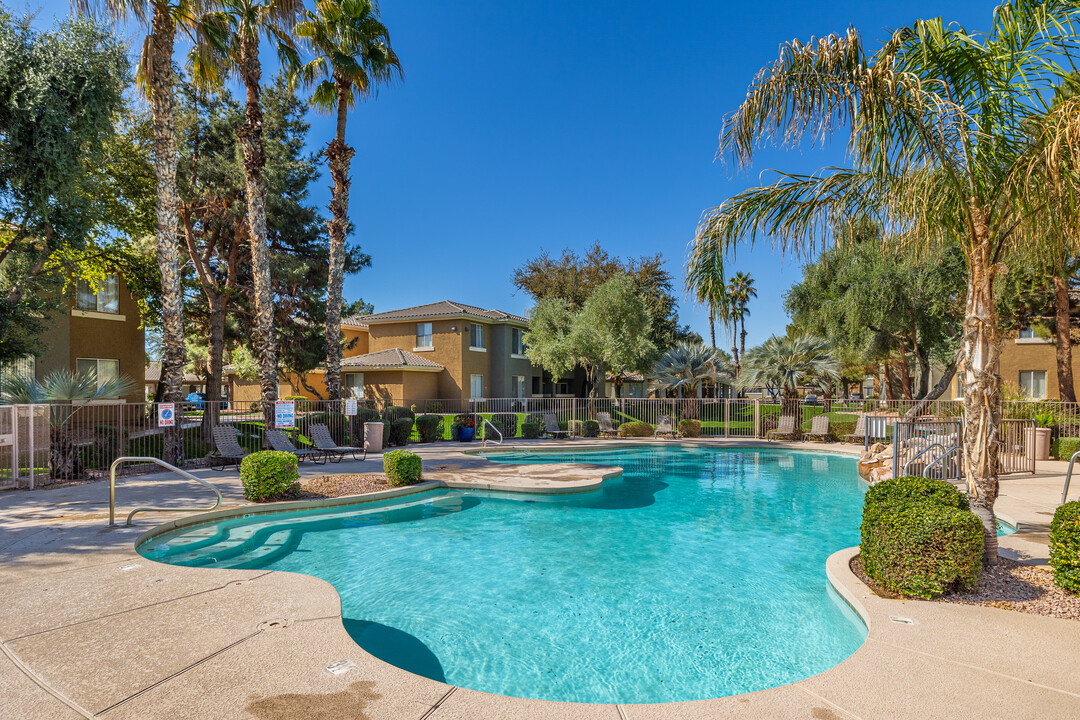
274 624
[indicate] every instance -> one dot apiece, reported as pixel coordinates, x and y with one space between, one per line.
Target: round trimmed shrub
269 474
590 429
690 428
1065 546
636 428
1063 447
429 427
903 491
530 430
400 430
402 467
507 423
366 415
394 412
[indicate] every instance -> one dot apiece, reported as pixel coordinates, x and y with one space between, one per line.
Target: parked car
810 400
198 401
856 396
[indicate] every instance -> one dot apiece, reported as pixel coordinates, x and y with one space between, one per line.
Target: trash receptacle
373 436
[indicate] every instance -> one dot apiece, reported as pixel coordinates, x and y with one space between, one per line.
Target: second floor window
104 299
517 342
1028 332
476 335
423 335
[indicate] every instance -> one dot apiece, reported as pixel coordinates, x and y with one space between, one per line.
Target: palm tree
156 76
686 367
67 392
705 281
941 149
229 44
352 58
787 363
741 288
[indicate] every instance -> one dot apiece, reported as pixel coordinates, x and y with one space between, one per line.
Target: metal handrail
922 452
940 459
1068 477
112 489
497 432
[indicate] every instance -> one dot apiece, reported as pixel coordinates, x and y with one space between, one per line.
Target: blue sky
522 126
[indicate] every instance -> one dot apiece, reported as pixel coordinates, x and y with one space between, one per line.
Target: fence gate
1017 451
928 448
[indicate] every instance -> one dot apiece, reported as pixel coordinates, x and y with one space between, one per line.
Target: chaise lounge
320 435
551 426
227 450
280 441
606 428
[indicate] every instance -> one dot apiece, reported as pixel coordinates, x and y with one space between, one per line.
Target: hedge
590 428
366 415
530 430
269 474
394 412
636 428
690 428
919 539
1065 546
400 430
429 427
1063 447
402 467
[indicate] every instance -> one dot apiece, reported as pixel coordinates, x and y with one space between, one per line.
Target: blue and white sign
166 414
350 406
285 414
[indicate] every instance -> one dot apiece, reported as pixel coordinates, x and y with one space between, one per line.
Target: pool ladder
112 489
1068 477
497 432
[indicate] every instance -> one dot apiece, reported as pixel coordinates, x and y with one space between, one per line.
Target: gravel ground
1009 585
340 485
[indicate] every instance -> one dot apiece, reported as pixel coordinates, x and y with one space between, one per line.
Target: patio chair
320 435
785 429
551 426
227 450
606 428
819 428
664 427
280 441
860 431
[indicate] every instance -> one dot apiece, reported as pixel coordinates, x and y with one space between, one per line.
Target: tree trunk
215 352
742 334
712 327
924 376
982 390
251 143
166 243
905 375
923 404
338 157
1063 347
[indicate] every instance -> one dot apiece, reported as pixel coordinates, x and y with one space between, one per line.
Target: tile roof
443 308
393 359
153 375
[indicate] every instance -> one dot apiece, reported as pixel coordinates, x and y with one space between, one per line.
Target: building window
517 342
562 387
1033 384
1028 332
353 385
106 299
476 335
476 387
423 335
103 370
535 386
517 382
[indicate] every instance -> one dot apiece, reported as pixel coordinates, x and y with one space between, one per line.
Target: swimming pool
699 573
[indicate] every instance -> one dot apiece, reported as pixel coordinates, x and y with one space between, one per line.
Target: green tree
547 341
611 333
785 364
352 59
705 281
741 290
944 146
687 367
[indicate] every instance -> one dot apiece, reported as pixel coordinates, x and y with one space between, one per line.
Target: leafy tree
688 366
547 341
705 282
611 333
787 363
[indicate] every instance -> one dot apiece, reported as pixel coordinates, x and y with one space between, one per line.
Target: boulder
877 447
866 467
880 474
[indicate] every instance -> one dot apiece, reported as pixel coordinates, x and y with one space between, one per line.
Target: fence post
757 417
727 417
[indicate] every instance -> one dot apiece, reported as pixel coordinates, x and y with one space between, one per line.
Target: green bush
636 428
394 412
302 403
840 429
690 428
1063 447
590 429
530 430
433 406
269 474
366 415
402 467
919 539
399 431
1065 546
507 423
429 427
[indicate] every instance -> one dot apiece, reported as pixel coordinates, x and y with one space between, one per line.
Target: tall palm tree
705 281
741 288
941 149
687 367
787 363
229 44
164 17
352 59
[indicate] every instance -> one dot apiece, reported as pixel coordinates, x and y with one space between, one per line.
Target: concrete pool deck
89 628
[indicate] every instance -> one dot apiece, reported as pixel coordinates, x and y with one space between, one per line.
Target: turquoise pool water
699 573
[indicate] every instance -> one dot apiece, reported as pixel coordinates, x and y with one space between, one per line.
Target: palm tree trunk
251 144
216 351
166 243
982 392
712 327
742 332
338 157
1063 347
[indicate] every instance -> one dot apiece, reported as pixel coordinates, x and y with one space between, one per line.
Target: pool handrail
1068 477
112 489
497 432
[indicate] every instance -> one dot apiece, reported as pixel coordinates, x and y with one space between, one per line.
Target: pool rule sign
166 415
285 414
350 406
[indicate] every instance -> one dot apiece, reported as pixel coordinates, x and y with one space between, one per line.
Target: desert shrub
690 428
1065 546
399 431
429 428
590 429
919 539
636 428
366 415
336 423
530 430
402 467
394 412
268 474
839 429
433 406
507 423
302 403
1063 447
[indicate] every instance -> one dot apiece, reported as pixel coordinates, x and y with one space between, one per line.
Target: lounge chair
819 428
606 428
320 435
227 450
551 426
664 427
280 441
860 431
785 429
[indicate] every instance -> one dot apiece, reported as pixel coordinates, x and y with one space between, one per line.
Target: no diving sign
166 414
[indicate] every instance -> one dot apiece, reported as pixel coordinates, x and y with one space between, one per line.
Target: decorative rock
877 447
880 474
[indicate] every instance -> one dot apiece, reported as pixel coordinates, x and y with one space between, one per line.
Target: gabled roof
393 359
441 309
153 375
